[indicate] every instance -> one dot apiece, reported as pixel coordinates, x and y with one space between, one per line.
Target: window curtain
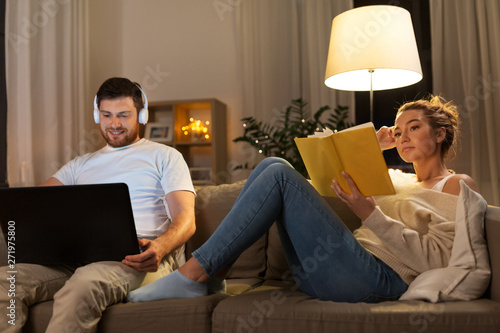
46 86
466 69
315 28
282 49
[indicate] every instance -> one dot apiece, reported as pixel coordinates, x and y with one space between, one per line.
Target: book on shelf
354 150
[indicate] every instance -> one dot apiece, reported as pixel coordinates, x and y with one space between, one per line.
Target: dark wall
386 102
3 100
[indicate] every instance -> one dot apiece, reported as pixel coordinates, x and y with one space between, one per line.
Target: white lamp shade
372 38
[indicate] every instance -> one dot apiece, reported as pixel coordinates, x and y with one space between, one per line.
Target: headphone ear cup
144 113
96 111
96 116
143 116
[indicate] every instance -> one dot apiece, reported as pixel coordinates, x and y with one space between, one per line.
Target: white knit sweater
411 231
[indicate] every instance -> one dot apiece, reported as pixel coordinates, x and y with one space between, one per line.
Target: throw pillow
468 273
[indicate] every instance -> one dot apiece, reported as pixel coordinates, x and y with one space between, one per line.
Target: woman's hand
361 206
385 136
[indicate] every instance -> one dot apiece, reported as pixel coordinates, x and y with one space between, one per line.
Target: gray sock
173 285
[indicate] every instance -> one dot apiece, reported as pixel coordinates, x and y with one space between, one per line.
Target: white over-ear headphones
143 114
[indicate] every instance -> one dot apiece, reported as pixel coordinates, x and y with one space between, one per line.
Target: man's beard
125 139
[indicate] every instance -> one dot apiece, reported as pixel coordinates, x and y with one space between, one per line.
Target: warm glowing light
197 128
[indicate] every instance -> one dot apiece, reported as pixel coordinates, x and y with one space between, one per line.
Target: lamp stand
371 93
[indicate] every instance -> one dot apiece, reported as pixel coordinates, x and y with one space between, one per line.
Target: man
162 197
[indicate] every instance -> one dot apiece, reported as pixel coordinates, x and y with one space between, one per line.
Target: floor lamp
372 48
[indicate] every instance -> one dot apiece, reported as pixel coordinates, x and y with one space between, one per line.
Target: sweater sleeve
417 250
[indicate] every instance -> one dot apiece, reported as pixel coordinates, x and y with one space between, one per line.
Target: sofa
261 296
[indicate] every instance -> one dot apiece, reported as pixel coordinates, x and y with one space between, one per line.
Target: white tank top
440 185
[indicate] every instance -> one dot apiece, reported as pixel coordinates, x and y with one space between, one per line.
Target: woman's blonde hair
440 113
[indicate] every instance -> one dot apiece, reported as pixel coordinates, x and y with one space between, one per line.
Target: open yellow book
354 150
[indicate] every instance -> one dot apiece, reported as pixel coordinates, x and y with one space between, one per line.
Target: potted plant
294 122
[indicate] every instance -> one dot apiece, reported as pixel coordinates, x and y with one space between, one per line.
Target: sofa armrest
492 229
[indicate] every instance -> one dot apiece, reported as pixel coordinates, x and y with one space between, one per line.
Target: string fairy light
197 128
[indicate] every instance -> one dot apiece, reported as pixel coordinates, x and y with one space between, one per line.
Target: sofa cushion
492 228
283 310
211 207
468 273
177 315
277 265
239 286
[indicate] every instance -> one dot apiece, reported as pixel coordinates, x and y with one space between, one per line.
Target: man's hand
385 136
361 206
182 227
147 261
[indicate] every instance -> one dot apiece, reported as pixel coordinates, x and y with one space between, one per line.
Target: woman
375 263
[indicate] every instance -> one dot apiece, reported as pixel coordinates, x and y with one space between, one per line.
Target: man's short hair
119 87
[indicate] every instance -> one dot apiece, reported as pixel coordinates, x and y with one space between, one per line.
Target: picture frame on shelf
159 132
200 175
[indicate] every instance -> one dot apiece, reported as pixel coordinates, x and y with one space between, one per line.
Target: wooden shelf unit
207 159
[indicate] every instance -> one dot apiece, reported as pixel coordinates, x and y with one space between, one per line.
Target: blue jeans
326 261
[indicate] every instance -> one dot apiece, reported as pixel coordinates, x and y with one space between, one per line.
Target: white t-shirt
151 170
